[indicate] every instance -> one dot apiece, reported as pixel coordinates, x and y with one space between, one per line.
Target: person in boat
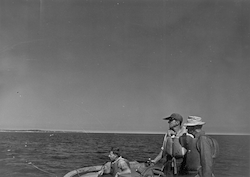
118 166
171 148
201 150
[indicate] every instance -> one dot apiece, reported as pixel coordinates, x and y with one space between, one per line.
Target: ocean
53 155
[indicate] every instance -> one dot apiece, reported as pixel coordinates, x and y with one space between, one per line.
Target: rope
78 173
30 163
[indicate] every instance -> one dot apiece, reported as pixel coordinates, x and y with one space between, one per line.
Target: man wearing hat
171 148
200 150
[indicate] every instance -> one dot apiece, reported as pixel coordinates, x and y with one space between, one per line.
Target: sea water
45 154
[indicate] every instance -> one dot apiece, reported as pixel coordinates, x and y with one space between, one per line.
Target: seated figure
117 167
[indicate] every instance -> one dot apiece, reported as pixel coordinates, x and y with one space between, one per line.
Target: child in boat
118 165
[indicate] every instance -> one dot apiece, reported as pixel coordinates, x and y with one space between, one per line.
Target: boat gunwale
133 164
84 170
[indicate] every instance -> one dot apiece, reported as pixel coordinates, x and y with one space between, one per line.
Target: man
118 167
171 148
200 150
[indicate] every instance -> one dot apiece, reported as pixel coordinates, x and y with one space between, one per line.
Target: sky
122 66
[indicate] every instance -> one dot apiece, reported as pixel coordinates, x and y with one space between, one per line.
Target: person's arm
125 169
163 148
203 146
105 169
158 157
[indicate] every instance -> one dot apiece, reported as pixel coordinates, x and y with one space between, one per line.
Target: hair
116 150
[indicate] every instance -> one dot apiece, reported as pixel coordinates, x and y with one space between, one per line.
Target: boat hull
138 170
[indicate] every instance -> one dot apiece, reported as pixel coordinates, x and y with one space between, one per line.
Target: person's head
194 124
114 153
174 120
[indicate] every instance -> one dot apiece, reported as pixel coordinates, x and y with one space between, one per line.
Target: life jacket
192 156
116 167
172 149
174 153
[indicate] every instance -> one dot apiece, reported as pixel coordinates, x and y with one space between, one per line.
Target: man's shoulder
203 137
123 160
213 143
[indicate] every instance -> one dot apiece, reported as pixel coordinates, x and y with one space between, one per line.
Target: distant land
35 131
74 131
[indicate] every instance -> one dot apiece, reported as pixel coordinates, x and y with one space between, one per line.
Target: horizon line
121 132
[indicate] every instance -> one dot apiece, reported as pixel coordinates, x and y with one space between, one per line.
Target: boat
138 169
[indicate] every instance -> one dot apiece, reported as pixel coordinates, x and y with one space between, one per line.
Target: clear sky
123 65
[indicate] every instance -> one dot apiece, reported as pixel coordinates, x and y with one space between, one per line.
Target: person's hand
100 173
152 162
117 174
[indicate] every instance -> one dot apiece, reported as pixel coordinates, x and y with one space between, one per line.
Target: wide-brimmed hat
193 120
174 116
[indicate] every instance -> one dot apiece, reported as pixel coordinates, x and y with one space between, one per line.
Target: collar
177 132
119 158
188 134
198 134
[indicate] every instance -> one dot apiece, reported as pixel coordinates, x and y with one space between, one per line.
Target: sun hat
193 120
174 116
